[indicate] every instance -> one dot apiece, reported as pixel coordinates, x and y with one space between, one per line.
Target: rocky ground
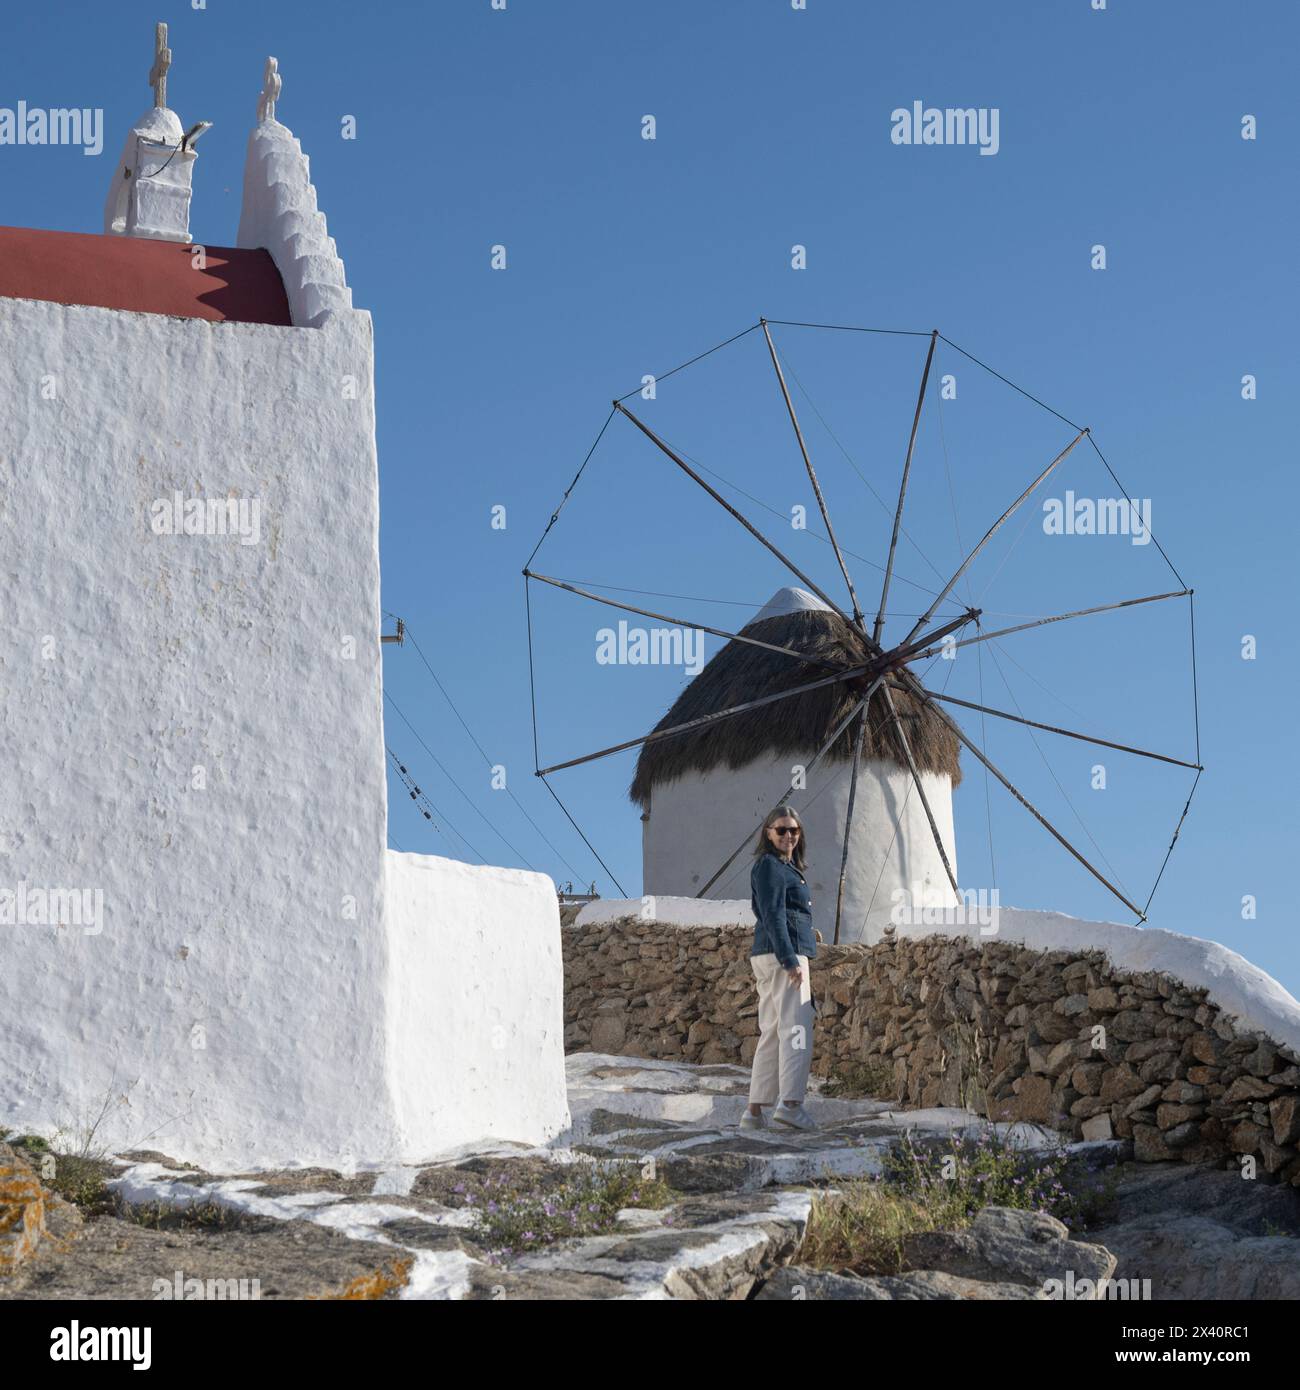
730 1227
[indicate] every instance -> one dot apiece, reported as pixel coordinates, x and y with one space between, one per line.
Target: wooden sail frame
887 669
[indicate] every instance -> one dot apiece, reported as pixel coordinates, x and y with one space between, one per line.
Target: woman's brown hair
799 856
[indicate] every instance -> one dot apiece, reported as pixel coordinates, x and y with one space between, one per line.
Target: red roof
146 277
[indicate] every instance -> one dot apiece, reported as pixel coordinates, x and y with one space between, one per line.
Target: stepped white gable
280 214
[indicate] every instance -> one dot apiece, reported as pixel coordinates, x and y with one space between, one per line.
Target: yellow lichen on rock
22 1210
374 1285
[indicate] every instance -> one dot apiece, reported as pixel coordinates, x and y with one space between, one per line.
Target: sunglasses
785 829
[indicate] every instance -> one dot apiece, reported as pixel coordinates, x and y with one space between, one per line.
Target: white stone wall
476 1032
696 821
668 911
229 1008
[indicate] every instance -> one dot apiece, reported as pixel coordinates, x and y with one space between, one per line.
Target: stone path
686 1117
405 1232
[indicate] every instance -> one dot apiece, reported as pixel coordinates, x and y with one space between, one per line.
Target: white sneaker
752 1121
793 1116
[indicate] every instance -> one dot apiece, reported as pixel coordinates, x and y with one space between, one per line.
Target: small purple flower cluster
585 1202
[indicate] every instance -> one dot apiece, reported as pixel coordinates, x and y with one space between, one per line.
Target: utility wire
483 753
455 784
537 761
425 805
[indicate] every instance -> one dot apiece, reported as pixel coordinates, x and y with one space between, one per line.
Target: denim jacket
782 911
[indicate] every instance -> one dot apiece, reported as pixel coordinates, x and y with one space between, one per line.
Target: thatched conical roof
796 727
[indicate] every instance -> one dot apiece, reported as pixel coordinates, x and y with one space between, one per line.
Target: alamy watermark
57 125
1071 1289
178 515
655 646
1101 516
24 906
73 1342
179 1287
926 905
949 125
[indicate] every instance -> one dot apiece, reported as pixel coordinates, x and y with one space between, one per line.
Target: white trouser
785 1023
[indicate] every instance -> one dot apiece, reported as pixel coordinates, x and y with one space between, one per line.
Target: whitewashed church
205 947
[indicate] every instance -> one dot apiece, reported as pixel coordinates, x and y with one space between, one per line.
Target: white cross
271 85
162 60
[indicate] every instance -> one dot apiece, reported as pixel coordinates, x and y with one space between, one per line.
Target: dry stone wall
1057 1037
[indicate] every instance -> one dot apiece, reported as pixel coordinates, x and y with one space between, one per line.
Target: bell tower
150 193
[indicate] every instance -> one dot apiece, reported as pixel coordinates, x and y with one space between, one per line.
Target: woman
783 945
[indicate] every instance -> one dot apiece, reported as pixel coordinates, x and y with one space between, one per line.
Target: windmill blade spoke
1060 618
902 492
910 652
812 476
844 723
991 532
1067 733
683 622
848 673
848 825
1025 802
722 501
916 780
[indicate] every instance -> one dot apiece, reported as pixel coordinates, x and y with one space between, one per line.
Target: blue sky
626 256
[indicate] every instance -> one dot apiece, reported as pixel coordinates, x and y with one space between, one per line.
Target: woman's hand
795 975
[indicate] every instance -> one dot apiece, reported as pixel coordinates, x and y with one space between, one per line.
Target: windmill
879 694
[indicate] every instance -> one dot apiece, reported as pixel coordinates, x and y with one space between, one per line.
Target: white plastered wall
228 1009
477 1003
696 821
